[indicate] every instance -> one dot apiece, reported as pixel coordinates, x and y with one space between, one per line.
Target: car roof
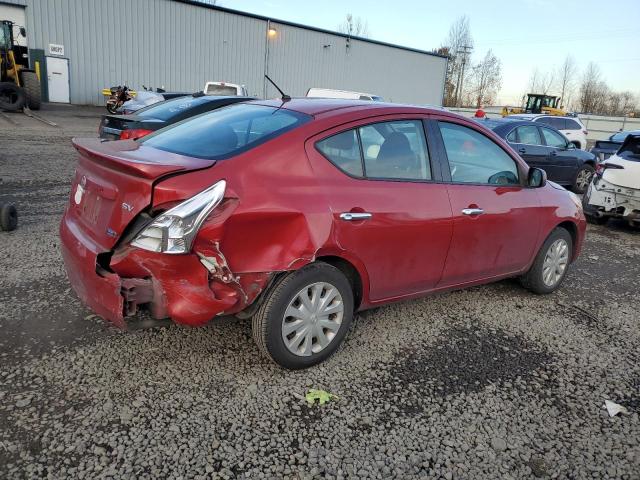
532 116
316 106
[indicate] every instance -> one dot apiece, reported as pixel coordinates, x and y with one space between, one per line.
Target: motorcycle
119 95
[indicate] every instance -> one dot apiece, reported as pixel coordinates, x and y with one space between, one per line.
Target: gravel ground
489 382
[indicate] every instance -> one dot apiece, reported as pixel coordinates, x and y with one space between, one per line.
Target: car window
528 134
169 109
513 136
395 150
572 124
554 122
225 132
553 139
343 151
474 158
630 150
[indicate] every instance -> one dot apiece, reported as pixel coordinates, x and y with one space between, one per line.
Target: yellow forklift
537 103
19 84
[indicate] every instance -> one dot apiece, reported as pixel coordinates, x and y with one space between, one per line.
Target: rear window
572 125
170 108
225 132
630 150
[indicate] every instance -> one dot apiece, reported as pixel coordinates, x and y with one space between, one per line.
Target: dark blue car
545 147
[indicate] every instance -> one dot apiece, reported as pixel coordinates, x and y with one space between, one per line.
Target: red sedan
299 213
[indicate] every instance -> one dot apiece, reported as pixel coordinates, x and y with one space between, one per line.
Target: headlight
174 230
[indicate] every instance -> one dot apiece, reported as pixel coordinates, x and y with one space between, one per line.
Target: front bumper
183 287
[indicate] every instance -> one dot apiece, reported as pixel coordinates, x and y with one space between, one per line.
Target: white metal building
83 46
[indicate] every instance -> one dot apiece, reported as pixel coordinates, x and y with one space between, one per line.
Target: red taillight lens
134 133
599 168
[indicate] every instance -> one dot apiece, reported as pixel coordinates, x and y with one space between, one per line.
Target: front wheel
583 178
551 263
304 318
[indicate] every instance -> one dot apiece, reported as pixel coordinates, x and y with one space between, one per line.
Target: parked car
603 149
159 115
225 89
145 98
546 148
298 214
345 94
570 127
615 190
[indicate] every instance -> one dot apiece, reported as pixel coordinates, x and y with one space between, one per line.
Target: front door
495 226
388 211
526 141
58 79
562 163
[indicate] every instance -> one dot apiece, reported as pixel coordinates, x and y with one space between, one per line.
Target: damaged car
615 189
297 213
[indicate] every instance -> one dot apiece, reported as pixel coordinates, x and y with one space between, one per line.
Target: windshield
169 108
225 132
620 136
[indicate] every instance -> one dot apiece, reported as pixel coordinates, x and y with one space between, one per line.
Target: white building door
58 79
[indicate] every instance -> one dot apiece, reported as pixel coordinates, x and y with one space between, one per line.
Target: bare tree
486 80
593 91
354 26
566 79
540 82
458 46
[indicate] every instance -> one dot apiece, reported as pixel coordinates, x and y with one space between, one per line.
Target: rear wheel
8 217
583 178
11 97
31 86
305 317
551 263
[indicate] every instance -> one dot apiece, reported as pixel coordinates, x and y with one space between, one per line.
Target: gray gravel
489 382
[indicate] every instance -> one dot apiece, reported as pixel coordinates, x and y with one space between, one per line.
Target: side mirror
571 146
23 32
537 177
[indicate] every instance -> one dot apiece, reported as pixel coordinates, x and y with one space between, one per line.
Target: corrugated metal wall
180 46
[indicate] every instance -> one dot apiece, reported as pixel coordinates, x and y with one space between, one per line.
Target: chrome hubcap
312 319
584 179
555 262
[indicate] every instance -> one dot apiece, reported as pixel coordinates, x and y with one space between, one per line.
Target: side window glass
474 158
512 137
395 150
343 151
553 139
572 125
529 135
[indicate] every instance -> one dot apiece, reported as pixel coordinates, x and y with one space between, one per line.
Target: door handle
351 216
522 150
472 211
553 153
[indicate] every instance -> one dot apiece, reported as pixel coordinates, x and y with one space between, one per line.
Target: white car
225 89
570 127
615 189
346 94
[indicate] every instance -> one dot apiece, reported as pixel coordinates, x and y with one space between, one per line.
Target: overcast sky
522 33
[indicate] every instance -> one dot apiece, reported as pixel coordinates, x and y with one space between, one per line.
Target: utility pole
464 50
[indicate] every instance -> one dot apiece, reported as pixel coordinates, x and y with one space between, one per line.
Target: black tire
267 323
533 279
31 86
12 97
8 217
578 182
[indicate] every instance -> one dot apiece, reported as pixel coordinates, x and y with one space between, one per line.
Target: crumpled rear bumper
181 287
606 199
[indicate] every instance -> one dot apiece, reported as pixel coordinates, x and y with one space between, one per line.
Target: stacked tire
12 97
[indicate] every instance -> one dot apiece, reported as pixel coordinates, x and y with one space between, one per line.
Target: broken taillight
134 133
601 167
174 230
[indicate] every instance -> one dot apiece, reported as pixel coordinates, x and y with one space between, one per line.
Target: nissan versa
299 213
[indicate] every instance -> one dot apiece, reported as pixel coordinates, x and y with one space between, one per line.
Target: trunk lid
112 126
114 183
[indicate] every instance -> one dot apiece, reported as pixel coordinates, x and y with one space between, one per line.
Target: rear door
390 213
562 161
495 221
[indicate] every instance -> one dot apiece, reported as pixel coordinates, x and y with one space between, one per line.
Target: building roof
306 27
